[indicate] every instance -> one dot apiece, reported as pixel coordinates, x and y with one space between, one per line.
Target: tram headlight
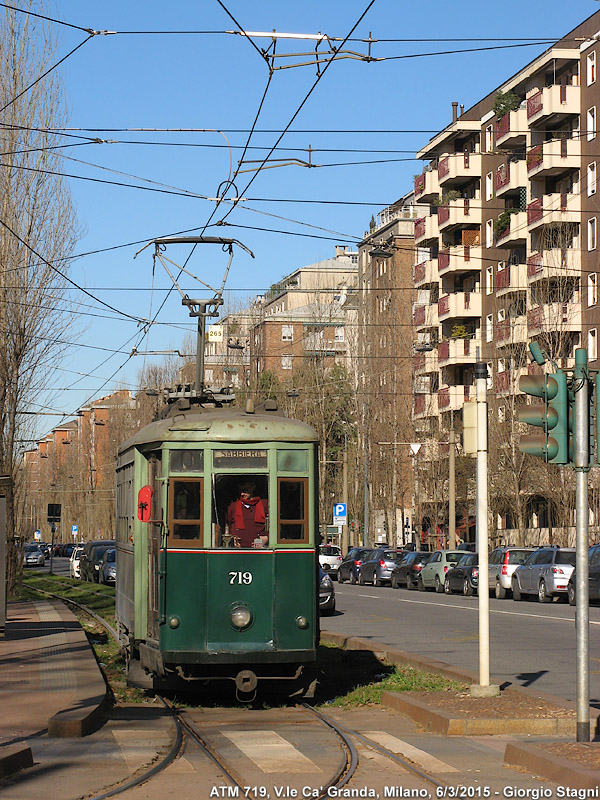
241 617
302 622
174 622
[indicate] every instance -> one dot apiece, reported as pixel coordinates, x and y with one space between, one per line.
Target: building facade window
592 347
489 138
591 68
489 233
338 335
591 123
591 233
287 333
592 289
591 179
489 328
489 186
489 280
286 361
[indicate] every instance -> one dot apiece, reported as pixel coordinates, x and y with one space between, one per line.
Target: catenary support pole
582 462
452 485
483 689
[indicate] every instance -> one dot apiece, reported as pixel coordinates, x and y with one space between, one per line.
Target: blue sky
216 81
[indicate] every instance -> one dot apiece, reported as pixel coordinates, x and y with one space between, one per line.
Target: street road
531 644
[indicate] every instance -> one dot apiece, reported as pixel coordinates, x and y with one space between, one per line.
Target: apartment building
309 314
384 368
507 253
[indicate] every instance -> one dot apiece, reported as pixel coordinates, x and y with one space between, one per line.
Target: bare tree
38 231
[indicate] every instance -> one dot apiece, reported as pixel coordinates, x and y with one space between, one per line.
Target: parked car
546 572
326 594
45 548
433 574
377 567
88 568
503 562
593 577
33 556
107 572
74 570
407 571
463 576
330 558
347 571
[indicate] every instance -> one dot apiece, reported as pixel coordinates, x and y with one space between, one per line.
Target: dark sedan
347 570
463 576
377 567
594 577
407 571
326 594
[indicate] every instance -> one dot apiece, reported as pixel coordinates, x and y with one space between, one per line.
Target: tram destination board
240 459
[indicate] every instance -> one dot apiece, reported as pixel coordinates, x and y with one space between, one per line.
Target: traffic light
552 416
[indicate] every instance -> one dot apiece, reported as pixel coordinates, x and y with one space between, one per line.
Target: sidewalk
50 681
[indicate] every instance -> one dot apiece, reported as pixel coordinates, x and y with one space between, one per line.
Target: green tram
195 602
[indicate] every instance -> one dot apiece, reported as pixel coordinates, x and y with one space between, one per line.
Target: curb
551 767
14 758
437 721
396 656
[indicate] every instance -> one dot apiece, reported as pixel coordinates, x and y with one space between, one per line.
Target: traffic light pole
582 462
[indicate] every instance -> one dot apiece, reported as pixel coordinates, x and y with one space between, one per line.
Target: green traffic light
552 415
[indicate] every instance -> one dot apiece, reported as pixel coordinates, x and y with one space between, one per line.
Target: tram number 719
240 577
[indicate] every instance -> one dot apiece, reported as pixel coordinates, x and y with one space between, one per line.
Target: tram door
154 542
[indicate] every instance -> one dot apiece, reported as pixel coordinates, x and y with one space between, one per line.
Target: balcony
511 331
425 363
457 351
459 212
458 168
427 186
426 273
556 317
511 279
507 382
516 232
557 101
553 264
460 305
425 405
511 129
554 208
459 259
425 316
426 229
510 177
554 157
452 398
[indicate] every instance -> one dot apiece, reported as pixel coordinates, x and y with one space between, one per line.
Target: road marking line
398 746
135 754
475 609
271 752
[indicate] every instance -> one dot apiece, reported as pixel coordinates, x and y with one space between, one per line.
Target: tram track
187 728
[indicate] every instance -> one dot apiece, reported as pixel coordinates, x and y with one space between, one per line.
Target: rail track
188 730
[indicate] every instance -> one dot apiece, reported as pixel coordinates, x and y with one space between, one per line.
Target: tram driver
246 518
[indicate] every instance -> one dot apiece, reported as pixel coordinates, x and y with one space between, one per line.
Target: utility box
469 438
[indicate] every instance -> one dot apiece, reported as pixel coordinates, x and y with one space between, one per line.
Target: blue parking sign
339 514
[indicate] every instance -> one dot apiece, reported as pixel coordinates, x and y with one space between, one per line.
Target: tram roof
222 425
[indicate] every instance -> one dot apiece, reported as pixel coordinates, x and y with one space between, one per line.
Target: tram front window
186 509
241 511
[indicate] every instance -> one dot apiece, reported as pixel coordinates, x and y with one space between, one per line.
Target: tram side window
292 523
185 507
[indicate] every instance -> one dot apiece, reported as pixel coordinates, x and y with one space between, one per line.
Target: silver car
33 556
433 574
503 562
545 573
74 570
